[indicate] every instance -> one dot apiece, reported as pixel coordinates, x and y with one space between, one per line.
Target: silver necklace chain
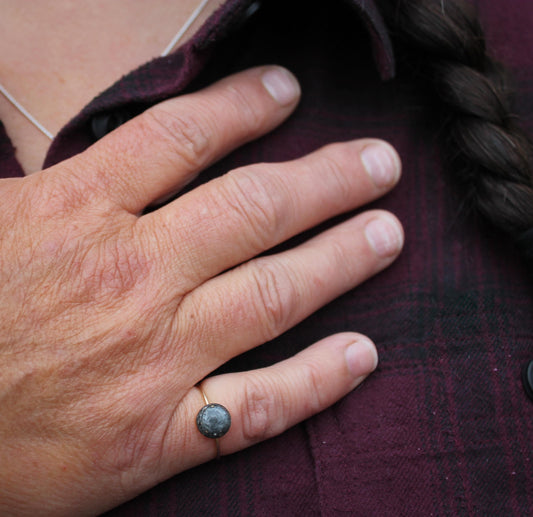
173 42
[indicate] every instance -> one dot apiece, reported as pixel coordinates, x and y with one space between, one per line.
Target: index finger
162 149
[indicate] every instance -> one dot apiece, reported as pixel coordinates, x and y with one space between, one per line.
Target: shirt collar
233 12
382 46
168 76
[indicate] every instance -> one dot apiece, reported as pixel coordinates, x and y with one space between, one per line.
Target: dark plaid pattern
444 426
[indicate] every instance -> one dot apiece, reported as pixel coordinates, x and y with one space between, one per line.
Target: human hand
111 319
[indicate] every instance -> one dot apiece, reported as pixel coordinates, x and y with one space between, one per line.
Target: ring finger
261 299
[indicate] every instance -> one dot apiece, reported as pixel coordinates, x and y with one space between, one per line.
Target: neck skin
57 55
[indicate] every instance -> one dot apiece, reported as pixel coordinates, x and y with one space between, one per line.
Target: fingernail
382 164
361 357
384 235
281 85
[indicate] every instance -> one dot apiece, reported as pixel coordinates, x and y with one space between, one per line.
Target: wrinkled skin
111 319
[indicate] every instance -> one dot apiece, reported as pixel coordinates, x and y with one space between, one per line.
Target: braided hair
491 155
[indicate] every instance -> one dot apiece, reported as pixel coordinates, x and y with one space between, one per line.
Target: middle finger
233 218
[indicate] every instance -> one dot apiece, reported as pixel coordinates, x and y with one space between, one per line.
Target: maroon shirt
443 427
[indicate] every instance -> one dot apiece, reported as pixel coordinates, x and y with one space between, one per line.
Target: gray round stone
213 420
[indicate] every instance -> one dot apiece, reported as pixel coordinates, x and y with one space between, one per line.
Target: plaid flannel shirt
443 427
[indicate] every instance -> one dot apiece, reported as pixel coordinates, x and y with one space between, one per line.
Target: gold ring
213 420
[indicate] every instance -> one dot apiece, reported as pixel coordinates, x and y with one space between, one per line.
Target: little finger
264 403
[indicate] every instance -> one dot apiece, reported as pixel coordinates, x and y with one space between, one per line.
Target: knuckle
54 197
275 297
261 410
337 163
249 113
340 263
257 201
114 268
188 138
314 381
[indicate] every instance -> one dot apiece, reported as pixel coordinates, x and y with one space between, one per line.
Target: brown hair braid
492 156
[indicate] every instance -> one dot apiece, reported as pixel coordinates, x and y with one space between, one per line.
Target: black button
251 10
230 23
241 19
104 123
527 379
